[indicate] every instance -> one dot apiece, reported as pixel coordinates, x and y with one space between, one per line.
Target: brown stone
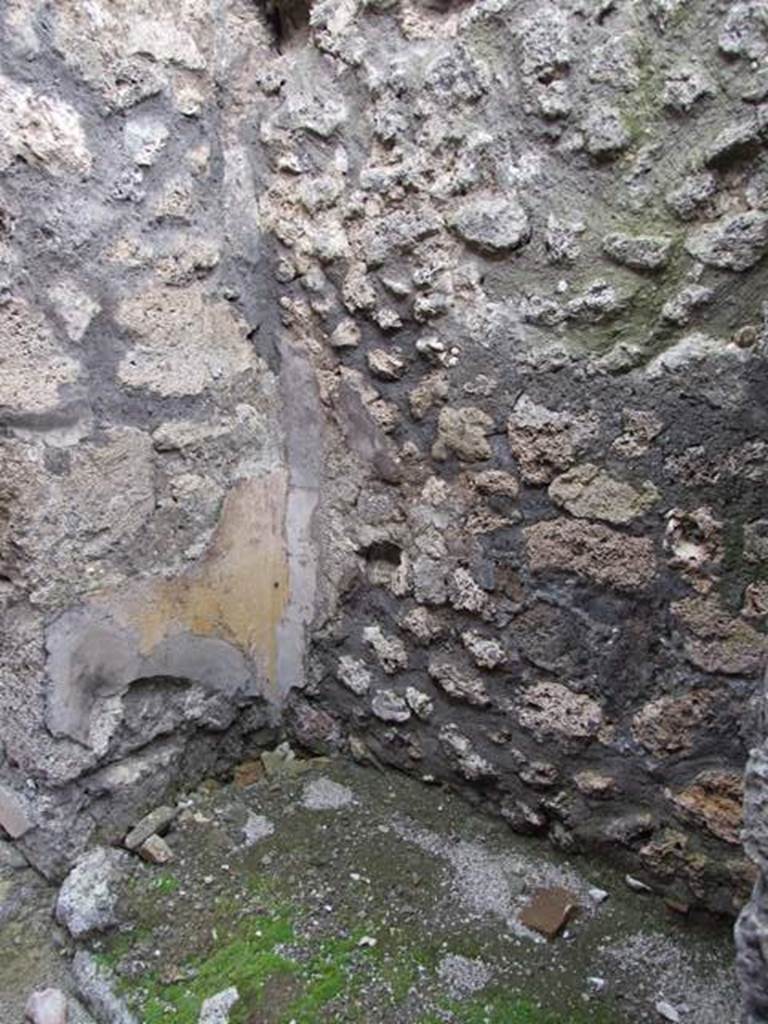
595 784
463 431
677 906
670 725
550 709
247 773
545 441
156 851
549 911
592 551
718 642
715 800
588 492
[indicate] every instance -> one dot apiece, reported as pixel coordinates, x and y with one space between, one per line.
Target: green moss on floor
246 958
256 958
336 919
165 883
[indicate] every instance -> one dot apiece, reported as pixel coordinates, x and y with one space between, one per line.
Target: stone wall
752 925
404 368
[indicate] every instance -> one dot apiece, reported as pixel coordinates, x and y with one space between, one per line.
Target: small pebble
667 1012
636 885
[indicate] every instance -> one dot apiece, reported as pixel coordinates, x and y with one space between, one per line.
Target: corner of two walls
428 331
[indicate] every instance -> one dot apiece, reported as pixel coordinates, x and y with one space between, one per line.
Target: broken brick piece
548 911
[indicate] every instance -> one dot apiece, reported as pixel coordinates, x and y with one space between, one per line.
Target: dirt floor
337 893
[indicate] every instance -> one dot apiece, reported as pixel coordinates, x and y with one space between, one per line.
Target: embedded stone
595 784
592 551
522 818
738 140
97 985
389 650
714 799
346 334
545 43
605 134
742 33
216 1008
460 750
464 594
684 86
155 850
718 642
464 432
144 137
423 625
390 706
256 828
42 130
492 225
457 682
734 242
549 911
431 391
680 308
640 428
15 818
429 580
74 307
616 63
485 652
756 541
186 341
551 710
537 774
48 1006
588 492
693 541
545 442
694 192
419 703
496 482
353 674
33 366
640 252
396 233
386 364
670 725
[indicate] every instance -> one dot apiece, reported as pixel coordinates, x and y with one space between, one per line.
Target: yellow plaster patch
238 590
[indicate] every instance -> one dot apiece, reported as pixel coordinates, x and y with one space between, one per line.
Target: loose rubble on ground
320 890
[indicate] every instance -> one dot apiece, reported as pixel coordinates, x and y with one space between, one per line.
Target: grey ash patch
256 827
700 990
326 795
487 884
462 975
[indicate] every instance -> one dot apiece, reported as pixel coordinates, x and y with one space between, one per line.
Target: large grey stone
734 242
87 900
493 225
97 987
15 816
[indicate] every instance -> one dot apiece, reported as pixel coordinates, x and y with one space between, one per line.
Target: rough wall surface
752 924
406 369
